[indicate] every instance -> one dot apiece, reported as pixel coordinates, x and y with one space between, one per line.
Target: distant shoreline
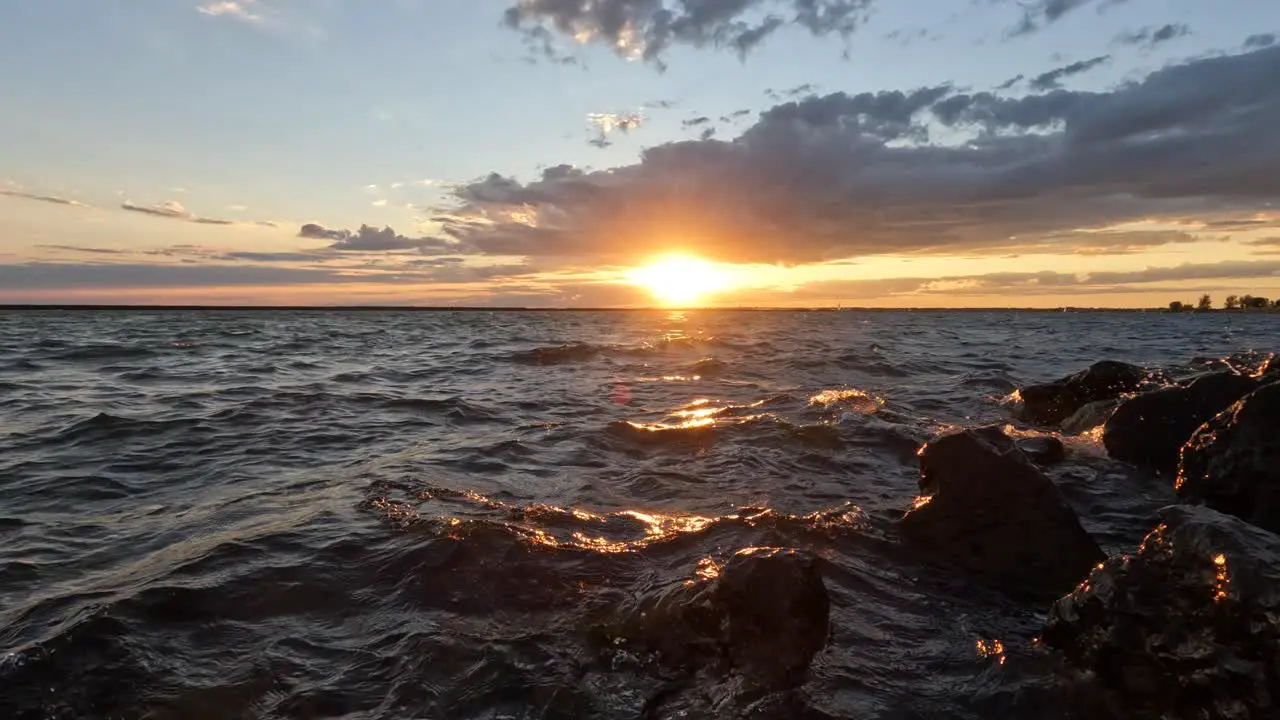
473 308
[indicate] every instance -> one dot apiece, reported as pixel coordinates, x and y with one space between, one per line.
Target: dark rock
1232 463
1269 370
776 614
1043 450
1187 628
1051 403
1088 417
1149 429
990 511
762 620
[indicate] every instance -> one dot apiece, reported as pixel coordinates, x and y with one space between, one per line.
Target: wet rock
1187 628
990 511
1148 430
775 610
1088 417
761 620
1232 462
1051 403
1043 450
1269 370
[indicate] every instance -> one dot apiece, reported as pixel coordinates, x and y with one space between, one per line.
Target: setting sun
679 279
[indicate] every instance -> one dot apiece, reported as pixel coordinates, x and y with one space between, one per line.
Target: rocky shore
1186 625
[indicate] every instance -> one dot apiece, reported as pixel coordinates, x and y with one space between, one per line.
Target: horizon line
10 307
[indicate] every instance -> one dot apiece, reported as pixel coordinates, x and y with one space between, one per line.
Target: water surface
422 514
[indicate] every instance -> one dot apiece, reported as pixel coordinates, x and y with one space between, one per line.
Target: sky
600 153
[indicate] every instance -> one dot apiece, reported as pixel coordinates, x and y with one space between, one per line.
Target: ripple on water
390 515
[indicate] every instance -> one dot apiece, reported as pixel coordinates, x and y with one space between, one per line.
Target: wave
105 426
104 351
557 354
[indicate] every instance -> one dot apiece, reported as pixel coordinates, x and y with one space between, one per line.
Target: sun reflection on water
991 649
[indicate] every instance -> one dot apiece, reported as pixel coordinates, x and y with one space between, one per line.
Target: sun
679 280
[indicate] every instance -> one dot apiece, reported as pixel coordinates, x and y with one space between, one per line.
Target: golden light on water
991 649
680 280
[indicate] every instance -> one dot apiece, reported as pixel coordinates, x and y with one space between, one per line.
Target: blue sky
342 113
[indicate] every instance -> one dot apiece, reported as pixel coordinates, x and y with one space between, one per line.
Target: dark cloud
648 28
662 104
89 250
313 231
269 257
371 239
1149 37
1053 79
1262 40
838 176
40 198
707 134
1036 14
1011 82
694 122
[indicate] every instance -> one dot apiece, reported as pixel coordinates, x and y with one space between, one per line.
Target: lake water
418 514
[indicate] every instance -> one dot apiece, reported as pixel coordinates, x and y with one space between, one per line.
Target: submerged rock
987 509
1187 628
1051 403
1148 430
761 620
1043 450
1232 463
1093 415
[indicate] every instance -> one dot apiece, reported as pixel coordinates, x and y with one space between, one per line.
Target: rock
1187 628
1088 417
1232 463
985 508
1043 450
761 620
1149 429
776 614
1270 369
1051 403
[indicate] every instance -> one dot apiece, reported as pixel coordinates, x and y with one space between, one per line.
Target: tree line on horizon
1233 302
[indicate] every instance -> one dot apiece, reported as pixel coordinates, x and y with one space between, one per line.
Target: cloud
54 199
371 239
174 210
273 257
1149 37
839 175
1266 242
1053 79
1037 14
1011 82
90 250
1024 284
606 124
48 276
1262 40
242 10
694 122
646 29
